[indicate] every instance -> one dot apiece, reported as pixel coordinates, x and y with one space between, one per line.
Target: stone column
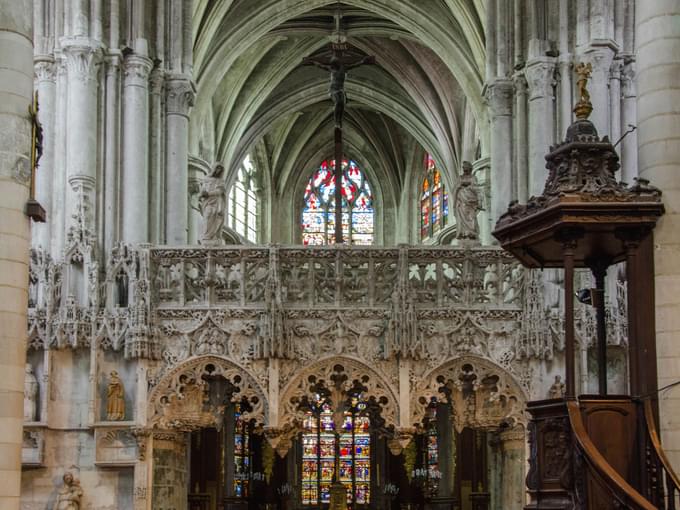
520 137
82 66
45 74
157 157
539 74
615 100
59 213
135 160
658 67
628 151
169 470
180 98
500 97
112 154
16 92
513 447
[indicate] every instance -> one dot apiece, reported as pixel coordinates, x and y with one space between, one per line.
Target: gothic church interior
278 254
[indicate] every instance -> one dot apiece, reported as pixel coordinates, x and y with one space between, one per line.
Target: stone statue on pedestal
115 398
70 494
212 202
466 205
30 394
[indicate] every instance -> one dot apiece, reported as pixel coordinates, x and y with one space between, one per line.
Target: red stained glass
434 201
318 221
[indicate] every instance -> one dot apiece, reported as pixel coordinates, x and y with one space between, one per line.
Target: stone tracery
181 399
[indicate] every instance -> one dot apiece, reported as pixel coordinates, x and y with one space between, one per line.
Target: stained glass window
242 206
432 444
434 201
318 457
318 213
242 454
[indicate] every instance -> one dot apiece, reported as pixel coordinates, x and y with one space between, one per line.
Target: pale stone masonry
658 89
16 91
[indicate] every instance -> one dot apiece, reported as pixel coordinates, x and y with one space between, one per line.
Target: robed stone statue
212 202
115 398
70 494
30 394
466 205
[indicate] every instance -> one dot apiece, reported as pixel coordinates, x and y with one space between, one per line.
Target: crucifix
338 60
34 210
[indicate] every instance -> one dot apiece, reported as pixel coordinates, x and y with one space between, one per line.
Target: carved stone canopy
185 398
582 201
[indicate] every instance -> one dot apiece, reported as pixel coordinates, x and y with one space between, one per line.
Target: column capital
520 82
156 81
540 76
82 58
628 87
499 95
137 69
45 68
180 93
113 63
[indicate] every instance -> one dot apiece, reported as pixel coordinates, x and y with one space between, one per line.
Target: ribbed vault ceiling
255 96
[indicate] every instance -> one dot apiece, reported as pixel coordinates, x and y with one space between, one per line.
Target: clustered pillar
135 160
180 98
82 65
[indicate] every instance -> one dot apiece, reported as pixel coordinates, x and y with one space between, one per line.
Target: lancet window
243 208
434 201
242 454
319 452
318 213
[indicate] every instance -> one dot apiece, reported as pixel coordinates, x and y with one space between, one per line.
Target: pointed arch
178 400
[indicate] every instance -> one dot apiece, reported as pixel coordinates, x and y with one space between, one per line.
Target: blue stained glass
318 218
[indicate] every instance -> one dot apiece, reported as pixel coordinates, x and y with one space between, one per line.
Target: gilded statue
466 205
584 71
583 107
115 395
212 202
30 394
70 494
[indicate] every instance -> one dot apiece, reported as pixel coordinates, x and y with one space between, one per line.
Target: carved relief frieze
115 446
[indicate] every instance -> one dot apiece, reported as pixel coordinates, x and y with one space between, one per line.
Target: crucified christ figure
338 65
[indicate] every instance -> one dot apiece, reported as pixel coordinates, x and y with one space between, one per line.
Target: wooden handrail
656 442
595 459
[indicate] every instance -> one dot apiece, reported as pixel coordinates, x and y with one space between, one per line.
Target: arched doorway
206 418
469 451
